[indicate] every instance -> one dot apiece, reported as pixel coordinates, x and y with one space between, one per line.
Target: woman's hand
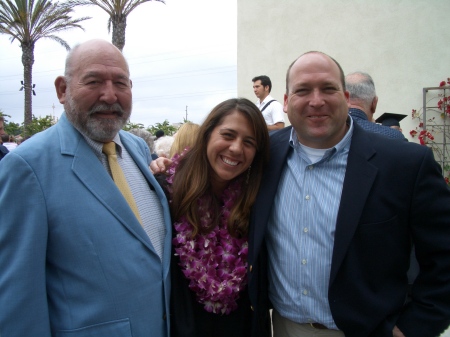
160 165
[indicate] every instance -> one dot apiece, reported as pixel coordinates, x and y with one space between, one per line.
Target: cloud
180 54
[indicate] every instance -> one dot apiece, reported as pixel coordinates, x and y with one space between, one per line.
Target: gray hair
146 136
163 145
360 86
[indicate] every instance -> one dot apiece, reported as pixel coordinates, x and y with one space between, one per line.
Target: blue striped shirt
301 232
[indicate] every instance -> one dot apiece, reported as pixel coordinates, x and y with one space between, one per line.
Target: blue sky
180 54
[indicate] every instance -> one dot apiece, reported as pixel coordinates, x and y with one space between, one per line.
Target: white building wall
403 44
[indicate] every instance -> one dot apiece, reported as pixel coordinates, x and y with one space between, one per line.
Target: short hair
184 138
146 136
163 145
341 72
159 134
68 70
363 88
265 81
5 138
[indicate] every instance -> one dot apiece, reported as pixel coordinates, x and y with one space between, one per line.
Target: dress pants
283 327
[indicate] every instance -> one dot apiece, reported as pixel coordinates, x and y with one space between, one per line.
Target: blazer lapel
96 179
359 177
138 155
279 149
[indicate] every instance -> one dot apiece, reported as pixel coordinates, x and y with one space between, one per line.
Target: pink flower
214 263
442 83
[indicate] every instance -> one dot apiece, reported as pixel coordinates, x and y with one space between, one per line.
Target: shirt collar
97 147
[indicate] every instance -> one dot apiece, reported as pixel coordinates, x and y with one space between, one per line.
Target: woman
212 188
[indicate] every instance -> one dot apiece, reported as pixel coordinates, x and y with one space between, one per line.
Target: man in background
391 120
363 102
271 109
3 150
2 125
86 251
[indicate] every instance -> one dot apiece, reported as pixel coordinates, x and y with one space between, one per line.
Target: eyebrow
235 132
99 74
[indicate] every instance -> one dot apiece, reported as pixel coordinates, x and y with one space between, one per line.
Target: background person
363 102
213 187
271 109
391 120
147 137
9 142
163 146
2 125
338 210
3 150
184 138
159 134
75 258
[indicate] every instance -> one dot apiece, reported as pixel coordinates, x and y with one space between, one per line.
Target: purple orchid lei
215 263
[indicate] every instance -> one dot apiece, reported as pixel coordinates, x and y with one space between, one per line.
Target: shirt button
304 261
307 197
306 230
305 292
310 167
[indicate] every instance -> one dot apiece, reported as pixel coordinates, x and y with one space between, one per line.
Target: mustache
116 107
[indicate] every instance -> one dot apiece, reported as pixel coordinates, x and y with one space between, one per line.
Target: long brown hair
192 178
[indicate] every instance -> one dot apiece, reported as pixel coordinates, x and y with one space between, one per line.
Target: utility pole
186 114
53 113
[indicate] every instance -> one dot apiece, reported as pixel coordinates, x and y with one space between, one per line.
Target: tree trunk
118 34
28 61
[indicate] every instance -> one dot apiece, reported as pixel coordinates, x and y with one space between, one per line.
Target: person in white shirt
271 109
8 142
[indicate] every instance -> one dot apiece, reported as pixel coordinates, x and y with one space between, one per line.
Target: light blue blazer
74 260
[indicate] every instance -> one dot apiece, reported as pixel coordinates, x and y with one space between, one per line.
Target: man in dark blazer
342 269
75 259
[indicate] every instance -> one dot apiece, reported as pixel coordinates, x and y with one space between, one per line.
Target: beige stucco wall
404 45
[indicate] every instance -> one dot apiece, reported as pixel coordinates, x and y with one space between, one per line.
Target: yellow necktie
119 178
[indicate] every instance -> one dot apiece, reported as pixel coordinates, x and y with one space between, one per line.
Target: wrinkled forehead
101 56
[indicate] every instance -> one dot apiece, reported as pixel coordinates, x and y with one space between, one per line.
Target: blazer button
251 268
251 307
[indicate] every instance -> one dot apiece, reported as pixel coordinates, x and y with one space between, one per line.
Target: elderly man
86 250
363 102
337 213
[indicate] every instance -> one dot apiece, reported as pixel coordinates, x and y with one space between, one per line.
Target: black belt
318 326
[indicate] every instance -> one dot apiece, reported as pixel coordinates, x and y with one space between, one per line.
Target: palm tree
118 11
27 21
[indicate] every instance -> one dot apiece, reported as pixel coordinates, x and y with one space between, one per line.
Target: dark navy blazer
393 194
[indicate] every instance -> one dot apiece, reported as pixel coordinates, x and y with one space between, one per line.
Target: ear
286 101
373 106
61 87
347 96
